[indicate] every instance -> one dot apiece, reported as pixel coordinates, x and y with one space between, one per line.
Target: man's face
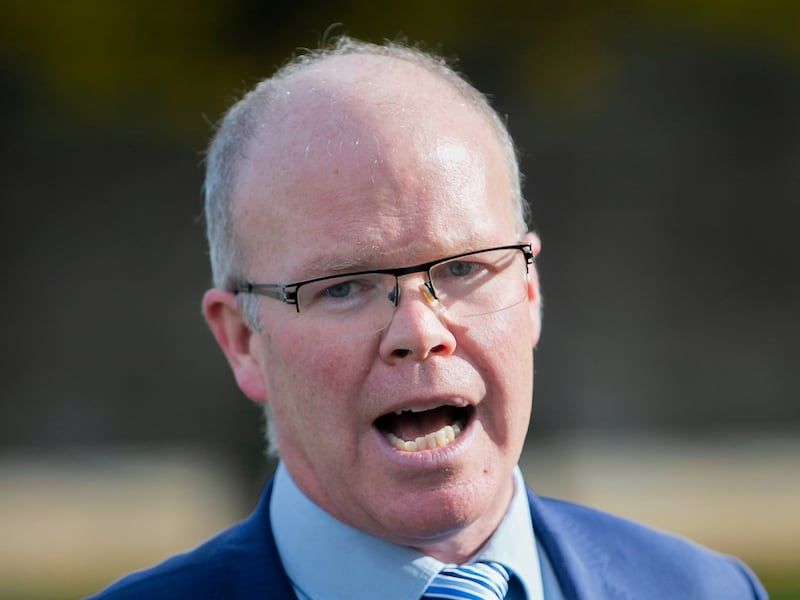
351 194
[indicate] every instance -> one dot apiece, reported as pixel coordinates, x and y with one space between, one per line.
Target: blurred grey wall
661 144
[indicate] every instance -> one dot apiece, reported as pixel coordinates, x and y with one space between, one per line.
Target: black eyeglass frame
287 292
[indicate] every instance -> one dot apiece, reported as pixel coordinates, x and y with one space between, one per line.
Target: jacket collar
580 564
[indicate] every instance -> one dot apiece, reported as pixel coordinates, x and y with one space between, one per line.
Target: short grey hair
240 124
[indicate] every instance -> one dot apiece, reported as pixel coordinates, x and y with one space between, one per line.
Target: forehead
361 153
357 104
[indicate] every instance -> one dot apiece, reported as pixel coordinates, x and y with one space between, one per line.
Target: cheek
316 376
503 343
505 338
333 369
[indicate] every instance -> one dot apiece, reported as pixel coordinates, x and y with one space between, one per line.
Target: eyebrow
363 260
332 265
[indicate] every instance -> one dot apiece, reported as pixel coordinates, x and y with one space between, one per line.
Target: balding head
322 100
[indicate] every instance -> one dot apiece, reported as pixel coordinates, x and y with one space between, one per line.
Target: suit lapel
580 564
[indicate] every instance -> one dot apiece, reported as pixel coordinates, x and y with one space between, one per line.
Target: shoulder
188 575
240 562
600 551
194 574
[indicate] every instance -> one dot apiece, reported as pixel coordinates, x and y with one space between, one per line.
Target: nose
418 328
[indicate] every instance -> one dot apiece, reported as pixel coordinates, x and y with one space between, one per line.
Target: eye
461 268
342 289
340 293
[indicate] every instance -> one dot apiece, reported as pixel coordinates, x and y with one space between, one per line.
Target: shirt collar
324 558
513 543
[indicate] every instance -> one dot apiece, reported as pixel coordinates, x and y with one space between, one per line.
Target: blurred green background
661 146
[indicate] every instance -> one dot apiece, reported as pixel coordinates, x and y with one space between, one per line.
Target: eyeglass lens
478 284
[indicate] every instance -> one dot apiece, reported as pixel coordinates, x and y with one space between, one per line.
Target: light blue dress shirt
326 559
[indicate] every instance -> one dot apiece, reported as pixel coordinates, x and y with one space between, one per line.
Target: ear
534 295
238 341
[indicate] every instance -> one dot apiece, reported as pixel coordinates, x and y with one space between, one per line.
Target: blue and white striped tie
478 581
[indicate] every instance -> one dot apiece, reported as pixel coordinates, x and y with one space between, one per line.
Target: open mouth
415 431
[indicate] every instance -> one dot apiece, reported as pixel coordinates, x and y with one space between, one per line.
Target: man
375 290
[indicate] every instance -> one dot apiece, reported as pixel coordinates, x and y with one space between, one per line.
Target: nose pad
430 297
428 294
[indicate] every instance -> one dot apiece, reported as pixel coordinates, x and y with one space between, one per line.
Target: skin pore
371 162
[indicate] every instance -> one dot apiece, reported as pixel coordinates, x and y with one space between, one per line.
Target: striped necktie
478 581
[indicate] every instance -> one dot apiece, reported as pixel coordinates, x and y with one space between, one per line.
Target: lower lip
426 458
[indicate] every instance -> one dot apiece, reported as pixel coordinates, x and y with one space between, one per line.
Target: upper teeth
437 439
413 410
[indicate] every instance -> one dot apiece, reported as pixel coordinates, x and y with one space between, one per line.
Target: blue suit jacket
595 556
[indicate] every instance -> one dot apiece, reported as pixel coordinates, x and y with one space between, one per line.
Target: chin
434 514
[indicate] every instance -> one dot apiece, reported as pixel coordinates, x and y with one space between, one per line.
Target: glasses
354 304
